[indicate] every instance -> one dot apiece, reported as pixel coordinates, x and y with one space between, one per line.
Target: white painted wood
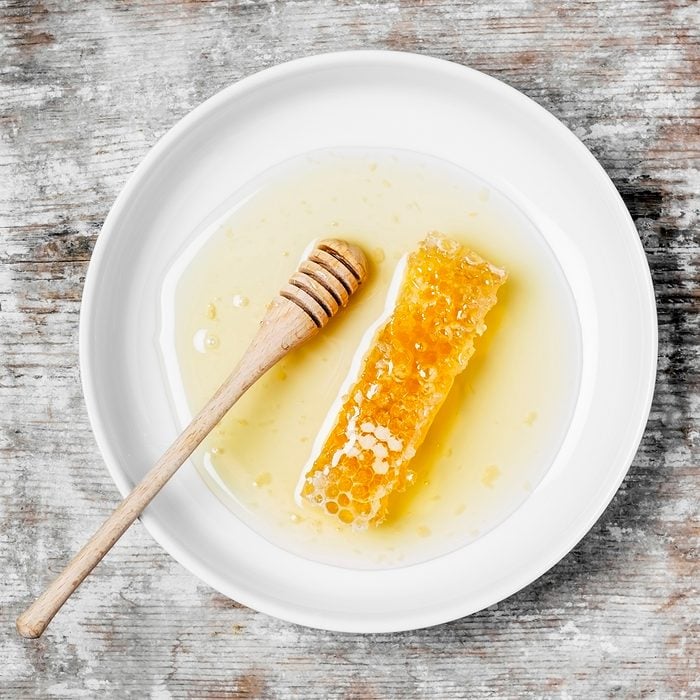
85 90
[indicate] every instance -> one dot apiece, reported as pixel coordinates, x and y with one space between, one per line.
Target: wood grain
85 90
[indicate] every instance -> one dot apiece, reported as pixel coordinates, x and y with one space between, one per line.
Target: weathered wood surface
85 90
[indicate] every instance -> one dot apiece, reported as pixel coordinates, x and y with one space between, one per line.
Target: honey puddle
502 423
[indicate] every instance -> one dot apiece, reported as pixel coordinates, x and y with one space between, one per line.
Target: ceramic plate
371 100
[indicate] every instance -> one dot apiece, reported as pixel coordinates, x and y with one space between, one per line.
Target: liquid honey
502 422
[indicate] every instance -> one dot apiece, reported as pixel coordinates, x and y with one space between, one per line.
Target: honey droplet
490 475
264 479
204 341
378 255
530 418
211 311
239 301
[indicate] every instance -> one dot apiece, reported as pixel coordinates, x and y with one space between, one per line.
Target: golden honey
427 341
501 424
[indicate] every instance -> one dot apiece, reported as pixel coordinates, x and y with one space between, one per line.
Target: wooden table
86 89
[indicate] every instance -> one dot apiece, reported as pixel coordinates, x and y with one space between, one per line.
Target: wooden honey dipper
321 286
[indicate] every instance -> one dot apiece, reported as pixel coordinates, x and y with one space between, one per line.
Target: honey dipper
321 286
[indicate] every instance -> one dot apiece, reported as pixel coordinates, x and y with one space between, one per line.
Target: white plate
387 100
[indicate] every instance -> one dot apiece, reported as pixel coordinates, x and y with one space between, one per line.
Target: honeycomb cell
406 374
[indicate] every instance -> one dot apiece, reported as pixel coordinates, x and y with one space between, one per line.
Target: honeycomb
406 374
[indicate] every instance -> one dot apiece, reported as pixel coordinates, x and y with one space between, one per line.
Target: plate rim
347 622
